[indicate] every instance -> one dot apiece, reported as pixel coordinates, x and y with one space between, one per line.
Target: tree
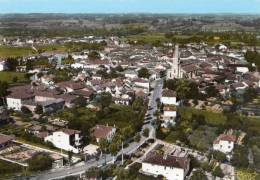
105 100
219 156
38 109
119 68
182 89
40 162
217 172
170 84
15 79
137 137
240 158
93 55
143 73
3 90
80 102
198 175
212 91
137 104
12 63
70 153
93 172
113 148
146 132
103 143
250 94
25 110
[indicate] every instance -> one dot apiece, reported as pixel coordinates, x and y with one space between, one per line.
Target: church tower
175 70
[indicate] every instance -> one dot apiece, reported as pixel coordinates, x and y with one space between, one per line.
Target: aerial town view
129 90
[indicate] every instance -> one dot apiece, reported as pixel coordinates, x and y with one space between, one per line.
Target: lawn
6 51
148 38
212 118
9 77
9 170
243 174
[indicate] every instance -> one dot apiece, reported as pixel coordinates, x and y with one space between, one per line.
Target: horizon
130 7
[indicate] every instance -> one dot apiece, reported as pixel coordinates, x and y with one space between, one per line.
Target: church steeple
175 71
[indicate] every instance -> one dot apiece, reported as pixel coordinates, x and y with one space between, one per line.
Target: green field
148 37
6 51
9 76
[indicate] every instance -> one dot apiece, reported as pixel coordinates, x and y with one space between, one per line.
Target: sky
130 6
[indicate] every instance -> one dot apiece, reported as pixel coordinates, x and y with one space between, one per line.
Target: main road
80 168
156 94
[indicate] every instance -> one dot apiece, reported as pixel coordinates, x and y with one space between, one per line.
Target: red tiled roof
71 84
225 137
101 131
190 68
5 139
70 131
168 93
21 92
169 161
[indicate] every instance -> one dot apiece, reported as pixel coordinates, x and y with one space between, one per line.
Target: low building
49 106
66 139
3 65
224 143
169 166
142 83
58 161
169 97
91 150
131 74
18 95
169 111
103 132
5 141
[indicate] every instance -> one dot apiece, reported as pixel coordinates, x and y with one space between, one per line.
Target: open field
148 37
9 76
6 51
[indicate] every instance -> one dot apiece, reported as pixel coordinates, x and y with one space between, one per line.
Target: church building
179 70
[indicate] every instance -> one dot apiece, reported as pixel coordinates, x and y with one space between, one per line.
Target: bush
40 162
240 158
219 156
25 110
38 109
217 172
198 175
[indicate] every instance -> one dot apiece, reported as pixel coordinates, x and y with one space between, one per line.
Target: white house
66 139
224 143
142 83
169 166
78 66
103 132
131 74
78 56
169 111
169 97
242 70
18 95
3 65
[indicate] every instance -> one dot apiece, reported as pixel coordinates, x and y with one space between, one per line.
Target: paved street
157 93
